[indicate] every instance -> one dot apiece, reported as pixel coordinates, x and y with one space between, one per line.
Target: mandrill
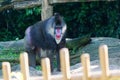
45 39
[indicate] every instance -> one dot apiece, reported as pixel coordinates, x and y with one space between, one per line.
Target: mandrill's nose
58 35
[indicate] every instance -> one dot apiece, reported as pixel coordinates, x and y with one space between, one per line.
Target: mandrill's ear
58 19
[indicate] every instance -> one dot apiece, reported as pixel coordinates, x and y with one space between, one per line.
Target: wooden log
78 42
46 69
85 59
4 5
6 70
22 4
26 4
24 66
65 63
68 1
103 54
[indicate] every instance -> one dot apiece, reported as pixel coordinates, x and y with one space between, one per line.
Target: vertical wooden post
47 10
46 69
103 53
24 65
65 63
85 59
6 70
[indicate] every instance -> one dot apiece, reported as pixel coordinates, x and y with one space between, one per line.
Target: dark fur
37 38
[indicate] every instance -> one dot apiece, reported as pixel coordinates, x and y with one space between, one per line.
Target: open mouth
58 35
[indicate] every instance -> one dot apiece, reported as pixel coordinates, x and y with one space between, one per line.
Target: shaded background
100 19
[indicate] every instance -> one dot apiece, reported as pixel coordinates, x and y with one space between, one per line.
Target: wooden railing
66 73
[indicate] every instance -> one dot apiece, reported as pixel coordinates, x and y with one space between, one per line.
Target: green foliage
14 22
99 18
38 67
9 56
96 18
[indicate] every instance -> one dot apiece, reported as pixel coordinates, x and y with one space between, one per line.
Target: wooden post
24 65
6 70
46 69
103 53
65 63
47 10
85 59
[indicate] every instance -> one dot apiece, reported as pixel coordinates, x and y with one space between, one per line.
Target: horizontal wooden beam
27 4
67 1
21 4
114 75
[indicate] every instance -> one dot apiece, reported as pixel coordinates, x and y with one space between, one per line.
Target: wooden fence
104 74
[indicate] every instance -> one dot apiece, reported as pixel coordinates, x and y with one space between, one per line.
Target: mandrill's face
56 29
59 31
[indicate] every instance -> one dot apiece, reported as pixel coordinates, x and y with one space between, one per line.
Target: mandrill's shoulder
38 24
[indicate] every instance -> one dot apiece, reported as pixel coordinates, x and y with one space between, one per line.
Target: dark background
100 19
